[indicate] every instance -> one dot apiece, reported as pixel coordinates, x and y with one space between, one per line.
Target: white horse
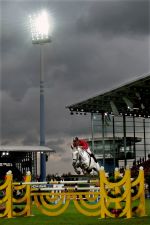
83 160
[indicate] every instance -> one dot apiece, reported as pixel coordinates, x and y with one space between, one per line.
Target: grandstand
120 122
20 159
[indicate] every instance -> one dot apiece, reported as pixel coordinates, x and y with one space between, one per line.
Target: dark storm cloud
68 60
56 144
21 58
117 18
19 118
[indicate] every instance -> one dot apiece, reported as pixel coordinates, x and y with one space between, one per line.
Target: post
144 139
40 32
28 194
124 139
9 194
103 138
42 117
92 131
134 148
114 144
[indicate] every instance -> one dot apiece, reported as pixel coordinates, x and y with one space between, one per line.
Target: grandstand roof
17 148
130 98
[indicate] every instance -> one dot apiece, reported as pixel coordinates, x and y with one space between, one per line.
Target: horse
83 160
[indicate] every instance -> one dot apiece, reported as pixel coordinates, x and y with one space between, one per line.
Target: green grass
72 217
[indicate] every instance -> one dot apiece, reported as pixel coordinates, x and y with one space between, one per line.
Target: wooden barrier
100 197
6 200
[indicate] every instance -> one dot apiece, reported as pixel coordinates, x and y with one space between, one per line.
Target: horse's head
75 154
75 160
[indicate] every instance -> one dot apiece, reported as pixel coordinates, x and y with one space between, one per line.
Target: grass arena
90 201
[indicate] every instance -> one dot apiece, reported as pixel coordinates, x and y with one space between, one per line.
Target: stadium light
41 28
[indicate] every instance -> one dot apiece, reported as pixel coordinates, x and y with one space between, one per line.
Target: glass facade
120 138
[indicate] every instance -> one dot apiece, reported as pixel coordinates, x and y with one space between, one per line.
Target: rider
84 145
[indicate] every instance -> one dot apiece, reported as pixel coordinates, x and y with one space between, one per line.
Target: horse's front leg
75 166
85 172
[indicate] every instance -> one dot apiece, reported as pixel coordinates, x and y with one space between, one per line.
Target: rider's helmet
75 141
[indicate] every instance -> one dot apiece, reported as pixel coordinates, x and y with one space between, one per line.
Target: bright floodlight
40 27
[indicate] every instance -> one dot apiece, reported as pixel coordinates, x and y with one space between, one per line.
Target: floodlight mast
40 32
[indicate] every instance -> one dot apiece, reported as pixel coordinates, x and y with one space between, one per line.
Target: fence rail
99 197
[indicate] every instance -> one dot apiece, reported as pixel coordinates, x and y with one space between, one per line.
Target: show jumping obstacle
100 197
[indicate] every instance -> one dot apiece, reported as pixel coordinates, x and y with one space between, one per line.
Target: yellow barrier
140 195
109 199
25 199
6 200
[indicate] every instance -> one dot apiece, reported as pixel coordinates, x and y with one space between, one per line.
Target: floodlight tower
40 32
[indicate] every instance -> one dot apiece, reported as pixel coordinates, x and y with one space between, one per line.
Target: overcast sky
96 45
